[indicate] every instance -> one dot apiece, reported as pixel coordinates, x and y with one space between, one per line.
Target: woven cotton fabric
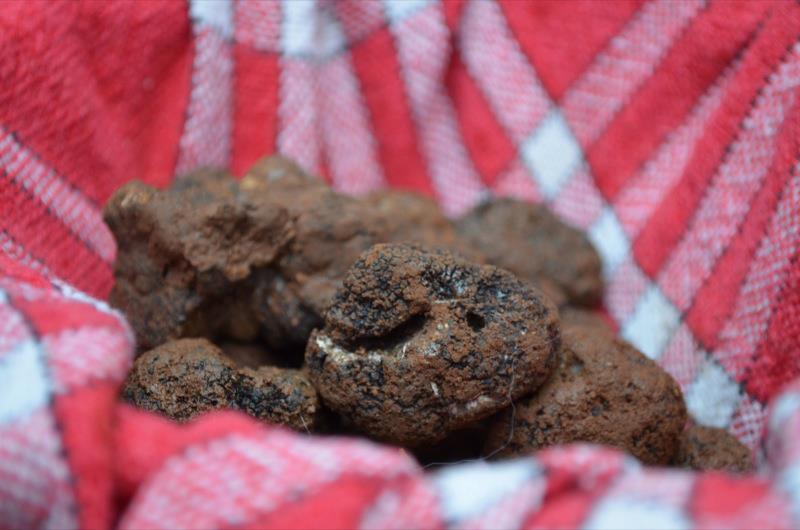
668 130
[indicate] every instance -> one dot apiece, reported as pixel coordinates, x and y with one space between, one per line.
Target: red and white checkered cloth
669 130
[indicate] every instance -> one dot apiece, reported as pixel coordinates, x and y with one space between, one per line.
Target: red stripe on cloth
255 106
162 116
85 104
17 264
45 237
714 301
143 441
776 361
486 141
143 77
376 65
619 69
730 192
564 511
453 10
708 45
511 86
343 502
84 417
645 191
81 216
772 263
574 487
667 224
725 501
540 28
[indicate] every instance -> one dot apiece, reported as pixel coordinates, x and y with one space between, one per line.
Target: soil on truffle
462 445
256 355
577 316
534 244
188 377
187 255
420 343
415 219
330 231
604 391
710 448
256 260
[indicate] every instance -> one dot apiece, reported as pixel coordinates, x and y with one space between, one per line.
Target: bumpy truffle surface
330 231
277 169
535 245
417 344
576 316
416 219
186 255
254 355
184 378
710 448
604 391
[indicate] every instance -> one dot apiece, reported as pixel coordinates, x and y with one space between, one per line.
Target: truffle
534 244
604 391
184 378
420 343
186 255
710 448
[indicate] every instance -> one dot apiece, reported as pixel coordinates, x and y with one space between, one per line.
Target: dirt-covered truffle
330 231
417 344
459 446
534 244
186 255
604 391
416 219
255 355
184 378
710 448
576 316
277 169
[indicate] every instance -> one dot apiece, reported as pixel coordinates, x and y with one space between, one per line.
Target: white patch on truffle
333 351
472 405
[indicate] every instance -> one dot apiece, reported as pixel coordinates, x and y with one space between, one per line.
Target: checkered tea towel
668 130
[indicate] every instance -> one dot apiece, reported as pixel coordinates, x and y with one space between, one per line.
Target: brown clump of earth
418 343
185 253
710 448
409 337
184 378
416 219
330 231
604 391
577 316
534 244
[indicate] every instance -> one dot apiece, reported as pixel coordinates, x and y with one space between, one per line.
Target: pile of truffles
474 338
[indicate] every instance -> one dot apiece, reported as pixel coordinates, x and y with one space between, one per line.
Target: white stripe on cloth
423 48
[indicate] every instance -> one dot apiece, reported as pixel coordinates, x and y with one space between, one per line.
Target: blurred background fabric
668 130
